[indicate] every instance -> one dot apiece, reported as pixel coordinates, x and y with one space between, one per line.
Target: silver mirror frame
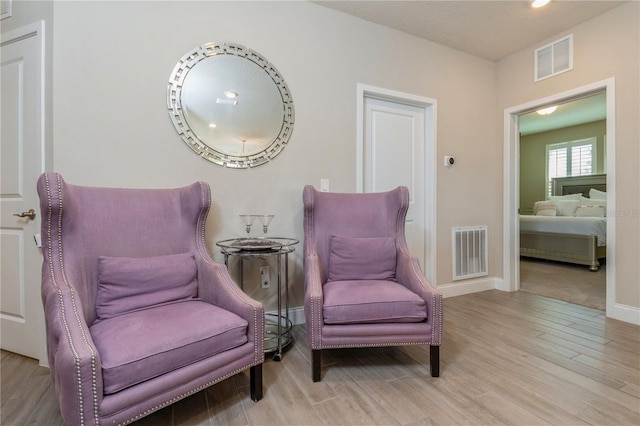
206 149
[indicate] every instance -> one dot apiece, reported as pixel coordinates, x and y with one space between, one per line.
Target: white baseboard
624 313
469 286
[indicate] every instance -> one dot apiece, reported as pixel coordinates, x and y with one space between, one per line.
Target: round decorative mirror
230 105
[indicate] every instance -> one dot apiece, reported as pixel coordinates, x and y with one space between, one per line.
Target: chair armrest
313 300
409 273
216 286
75 364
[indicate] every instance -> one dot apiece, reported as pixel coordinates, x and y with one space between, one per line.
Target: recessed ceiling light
230 94
539 3
547 111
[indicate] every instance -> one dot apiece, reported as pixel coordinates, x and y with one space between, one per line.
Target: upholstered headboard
579 184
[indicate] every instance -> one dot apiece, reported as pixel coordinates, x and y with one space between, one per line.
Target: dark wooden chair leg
316 357
434 352
255 382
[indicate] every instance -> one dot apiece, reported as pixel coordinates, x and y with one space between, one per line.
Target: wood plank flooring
507 358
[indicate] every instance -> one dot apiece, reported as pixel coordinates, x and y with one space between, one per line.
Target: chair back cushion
353 258
360 215
126 284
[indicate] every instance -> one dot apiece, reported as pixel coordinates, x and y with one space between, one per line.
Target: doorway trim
511 181
429 106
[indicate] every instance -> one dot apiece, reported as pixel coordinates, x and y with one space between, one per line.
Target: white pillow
566 207
594 194
592 202
566 197
590 211
584 201
544 208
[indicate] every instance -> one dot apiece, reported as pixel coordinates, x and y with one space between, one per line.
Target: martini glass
248 220
265 220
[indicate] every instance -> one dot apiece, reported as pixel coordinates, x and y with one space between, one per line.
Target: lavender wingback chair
362 286
138 315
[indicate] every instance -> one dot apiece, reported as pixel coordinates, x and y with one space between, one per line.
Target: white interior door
21 162
394 155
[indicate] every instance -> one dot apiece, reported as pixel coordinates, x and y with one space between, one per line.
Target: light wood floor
507 358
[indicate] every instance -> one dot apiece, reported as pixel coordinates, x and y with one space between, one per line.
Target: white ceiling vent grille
554 58
5 9
469 252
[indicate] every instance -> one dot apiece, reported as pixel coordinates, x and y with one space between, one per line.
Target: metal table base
277 326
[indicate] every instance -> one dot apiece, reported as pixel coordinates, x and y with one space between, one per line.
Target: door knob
31 214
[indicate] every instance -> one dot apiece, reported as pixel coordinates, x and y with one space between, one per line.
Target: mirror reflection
230 105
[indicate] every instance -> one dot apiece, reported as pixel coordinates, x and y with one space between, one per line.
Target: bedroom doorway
512 175
568 141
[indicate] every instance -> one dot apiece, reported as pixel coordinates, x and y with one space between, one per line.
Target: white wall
604 47
112 65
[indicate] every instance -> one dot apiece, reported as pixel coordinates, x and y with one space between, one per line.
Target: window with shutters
575 158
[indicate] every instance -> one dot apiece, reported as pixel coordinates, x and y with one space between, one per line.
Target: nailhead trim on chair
437 325
73 302
315 300
372 345
233 287
201 220
184 395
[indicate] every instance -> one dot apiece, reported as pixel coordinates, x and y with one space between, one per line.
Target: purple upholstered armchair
138 315
362 286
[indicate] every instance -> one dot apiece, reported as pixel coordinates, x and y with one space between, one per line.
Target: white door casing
511 228
396 144
22 160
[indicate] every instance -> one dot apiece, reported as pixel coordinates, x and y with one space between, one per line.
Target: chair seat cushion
147 343
371 301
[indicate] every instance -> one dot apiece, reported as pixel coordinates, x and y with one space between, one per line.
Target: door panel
394 155
22 158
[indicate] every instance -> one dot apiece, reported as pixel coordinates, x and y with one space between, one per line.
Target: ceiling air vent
5 9
554 58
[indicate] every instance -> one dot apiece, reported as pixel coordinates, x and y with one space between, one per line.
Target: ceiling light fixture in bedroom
547 111
539 3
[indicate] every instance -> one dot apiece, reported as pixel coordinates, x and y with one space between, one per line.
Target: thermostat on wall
449 160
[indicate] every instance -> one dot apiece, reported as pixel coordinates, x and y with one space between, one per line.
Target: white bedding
567 225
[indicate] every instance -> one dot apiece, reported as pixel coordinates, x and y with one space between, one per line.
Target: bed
571 226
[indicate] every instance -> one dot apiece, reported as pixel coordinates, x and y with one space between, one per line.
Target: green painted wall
532 158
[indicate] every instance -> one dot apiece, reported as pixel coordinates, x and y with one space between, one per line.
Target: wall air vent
554 58
5 9
469 252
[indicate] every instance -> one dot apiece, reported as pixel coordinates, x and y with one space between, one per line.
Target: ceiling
579 111
491 30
